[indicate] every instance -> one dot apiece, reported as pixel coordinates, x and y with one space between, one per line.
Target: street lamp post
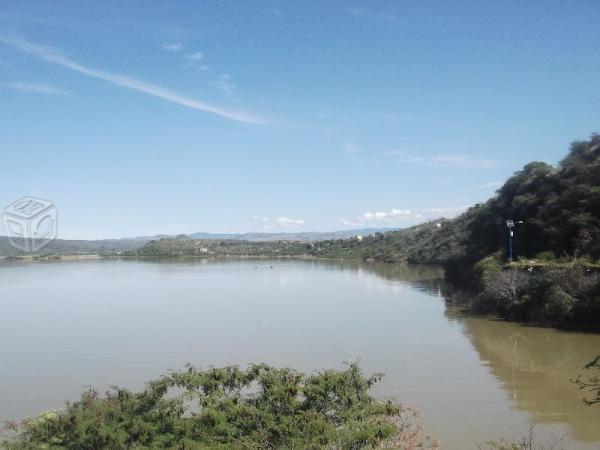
510 224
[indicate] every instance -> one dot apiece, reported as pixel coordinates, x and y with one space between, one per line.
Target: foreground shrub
260 407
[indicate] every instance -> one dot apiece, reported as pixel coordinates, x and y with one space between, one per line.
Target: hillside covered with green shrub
560 208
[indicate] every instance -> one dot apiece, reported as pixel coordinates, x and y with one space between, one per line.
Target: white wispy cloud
461 161
289 223
386 215
175 47
36 88
401 217
56 57
226 85
192 60
195 56
280 223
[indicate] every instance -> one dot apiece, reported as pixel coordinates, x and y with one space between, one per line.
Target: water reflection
428 278
534 365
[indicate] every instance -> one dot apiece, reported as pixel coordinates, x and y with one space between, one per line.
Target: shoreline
95 256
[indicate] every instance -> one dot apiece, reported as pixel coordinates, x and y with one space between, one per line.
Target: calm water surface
68 325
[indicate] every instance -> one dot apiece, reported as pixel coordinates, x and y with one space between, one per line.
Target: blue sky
165 117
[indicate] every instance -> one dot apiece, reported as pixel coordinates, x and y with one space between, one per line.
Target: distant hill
248 244
560 208
77 247
156 236
111 246
168 247
305 236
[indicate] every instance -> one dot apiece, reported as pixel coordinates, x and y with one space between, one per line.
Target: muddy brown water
68 325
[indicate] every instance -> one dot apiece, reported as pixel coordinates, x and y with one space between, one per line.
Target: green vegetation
257 408
556 282
215 248
61 247
560 295
559 205
429 243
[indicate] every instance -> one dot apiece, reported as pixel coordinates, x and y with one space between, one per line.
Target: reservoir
68 325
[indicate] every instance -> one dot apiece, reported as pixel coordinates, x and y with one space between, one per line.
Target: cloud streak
280 223
289 223
35 88
56 57
226 85
196 56
176 47
401 217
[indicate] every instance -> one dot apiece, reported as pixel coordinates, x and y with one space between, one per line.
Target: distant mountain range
301 236
306 236
110 246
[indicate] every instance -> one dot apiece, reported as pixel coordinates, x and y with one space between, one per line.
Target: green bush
568 297
558 308
486 270
260 407
545 256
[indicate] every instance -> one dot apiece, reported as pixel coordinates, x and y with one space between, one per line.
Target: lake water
68 325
